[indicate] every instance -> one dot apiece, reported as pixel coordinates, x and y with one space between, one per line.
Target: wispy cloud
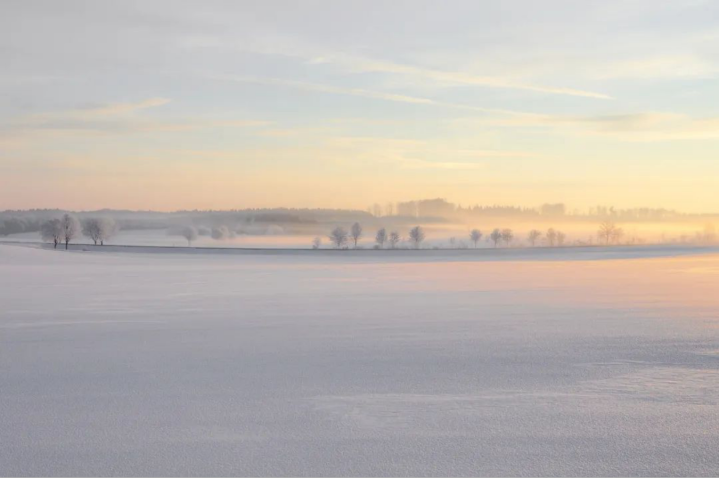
416 163
667 66
114 118
633 127
415 154
361 64
89 117
111 109
323 88
313 55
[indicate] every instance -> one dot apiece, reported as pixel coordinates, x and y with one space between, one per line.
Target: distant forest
304 220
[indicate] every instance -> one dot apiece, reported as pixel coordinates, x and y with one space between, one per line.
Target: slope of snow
137 362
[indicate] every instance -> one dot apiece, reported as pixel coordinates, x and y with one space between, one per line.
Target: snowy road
117 363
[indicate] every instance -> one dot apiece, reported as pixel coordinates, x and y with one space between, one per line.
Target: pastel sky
171 105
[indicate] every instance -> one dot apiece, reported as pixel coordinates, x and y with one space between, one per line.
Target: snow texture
147 361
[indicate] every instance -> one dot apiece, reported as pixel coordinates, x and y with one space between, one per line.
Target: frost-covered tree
91 228
475 236
507 236
99 229
189 233
339 236
381 237
356 232
561 237
393 239
533 237
220 233
13 225
69 229
609 232
416 234
316 243
51 231
108 228
551 237
496 236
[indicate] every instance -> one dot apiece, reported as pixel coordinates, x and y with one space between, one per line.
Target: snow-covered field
160 237
157 362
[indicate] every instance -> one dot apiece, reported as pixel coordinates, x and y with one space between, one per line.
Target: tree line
609 234
341 238
67 228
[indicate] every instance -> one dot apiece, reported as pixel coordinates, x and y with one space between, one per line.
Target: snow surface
152 361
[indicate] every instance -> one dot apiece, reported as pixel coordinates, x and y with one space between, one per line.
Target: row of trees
17 225
554 237
340 237
439 207
506 236
608 233
191 233
67 228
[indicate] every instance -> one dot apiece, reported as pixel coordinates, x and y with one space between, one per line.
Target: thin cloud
92 117
659 67
360 64
633 127
415 154
124 108
415 163
115 118
322 88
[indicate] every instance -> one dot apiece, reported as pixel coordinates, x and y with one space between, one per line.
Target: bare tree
91 228
339 236
475 236
617 235
108 228
507 236
534 236
356 232
496 236
316 243
393 239
551 237
561 237
99 229
220 233
417 236
51 231
609 232
189 233
389 209
453 242
381 237
70 228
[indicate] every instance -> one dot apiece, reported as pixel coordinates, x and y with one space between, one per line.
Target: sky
172 105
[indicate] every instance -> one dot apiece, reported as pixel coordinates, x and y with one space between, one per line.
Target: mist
446 225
